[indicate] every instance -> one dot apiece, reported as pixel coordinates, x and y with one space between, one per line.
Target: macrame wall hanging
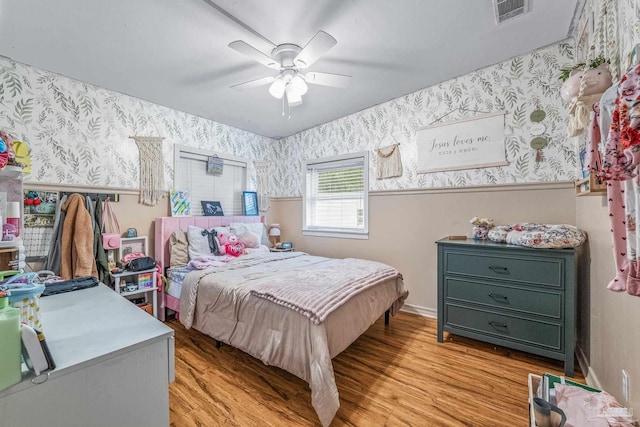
151 169
605 38
389 161
262 184
604 46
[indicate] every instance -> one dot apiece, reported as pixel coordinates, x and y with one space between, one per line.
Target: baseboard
589 374
421 311
592 379
583 363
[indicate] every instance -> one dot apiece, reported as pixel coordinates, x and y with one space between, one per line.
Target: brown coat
77 240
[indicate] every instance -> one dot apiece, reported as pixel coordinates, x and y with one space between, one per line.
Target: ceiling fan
290 59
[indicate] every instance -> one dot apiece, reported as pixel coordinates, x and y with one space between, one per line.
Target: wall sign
475 142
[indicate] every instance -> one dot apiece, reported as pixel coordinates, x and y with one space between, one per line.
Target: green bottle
10 365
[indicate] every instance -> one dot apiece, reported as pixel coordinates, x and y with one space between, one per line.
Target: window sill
336 234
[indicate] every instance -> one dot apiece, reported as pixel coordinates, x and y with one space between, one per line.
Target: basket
25 296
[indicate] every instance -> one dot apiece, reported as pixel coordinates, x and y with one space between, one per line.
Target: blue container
25 296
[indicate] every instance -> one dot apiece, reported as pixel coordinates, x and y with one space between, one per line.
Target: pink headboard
168 224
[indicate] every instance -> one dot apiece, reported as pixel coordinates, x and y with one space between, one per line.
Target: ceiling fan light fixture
299 85
277 88
293 98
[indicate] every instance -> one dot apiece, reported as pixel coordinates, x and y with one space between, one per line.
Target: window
191 175
336 196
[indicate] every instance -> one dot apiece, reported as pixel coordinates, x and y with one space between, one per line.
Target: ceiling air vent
507 9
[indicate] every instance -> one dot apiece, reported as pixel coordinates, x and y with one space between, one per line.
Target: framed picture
180 203
250 203
215 165
132 245
211 208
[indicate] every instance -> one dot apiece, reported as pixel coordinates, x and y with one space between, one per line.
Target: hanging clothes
102 262
77 258
619 168
53 256
615 196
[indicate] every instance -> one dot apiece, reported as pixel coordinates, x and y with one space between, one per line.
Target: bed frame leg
386 318
218 344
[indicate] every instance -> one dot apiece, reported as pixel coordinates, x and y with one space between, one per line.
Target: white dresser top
88 326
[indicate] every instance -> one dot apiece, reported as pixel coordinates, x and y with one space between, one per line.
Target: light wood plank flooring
397 375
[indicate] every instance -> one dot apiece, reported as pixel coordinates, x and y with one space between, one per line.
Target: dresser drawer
546 335
534 270
524 300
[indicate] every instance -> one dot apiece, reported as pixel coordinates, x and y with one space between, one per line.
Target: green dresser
508 295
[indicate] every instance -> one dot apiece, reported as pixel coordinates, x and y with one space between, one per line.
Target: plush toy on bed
232 246
249 240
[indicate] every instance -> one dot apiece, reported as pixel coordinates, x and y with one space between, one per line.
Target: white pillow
256 228
199 244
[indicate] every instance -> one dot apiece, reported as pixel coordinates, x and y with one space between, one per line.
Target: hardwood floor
397 375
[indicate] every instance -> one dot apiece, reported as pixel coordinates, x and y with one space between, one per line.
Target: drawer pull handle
498 297
500 270
498 324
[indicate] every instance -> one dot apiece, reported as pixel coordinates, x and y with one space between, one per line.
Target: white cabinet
113 366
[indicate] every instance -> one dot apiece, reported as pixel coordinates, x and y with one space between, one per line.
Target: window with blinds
336 196
191 175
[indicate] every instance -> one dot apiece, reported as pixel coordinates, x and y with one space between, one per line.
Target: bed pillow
179 249
199 244
256 228
533 235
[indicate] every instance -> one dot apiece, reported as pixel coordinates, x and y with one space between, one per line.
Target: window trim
329 232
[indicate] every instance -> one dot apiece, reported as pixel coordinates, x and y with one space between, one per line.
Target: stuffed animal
8 140
582 89
594 81
223 239
481 222
249 240
481 227
233 247
229 244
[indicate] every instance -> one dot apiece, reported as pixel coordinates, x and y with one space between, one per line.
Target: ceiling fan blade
254 54
317 46
328 79
254 83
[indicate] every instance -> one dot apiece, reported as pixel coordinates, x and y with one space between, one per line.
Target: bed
246 305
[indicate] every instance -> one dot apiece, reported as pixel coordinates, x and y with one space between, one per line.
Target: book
551 380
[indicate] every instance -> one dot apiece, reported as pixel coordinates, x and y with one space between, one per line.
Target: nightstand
144 286
281 250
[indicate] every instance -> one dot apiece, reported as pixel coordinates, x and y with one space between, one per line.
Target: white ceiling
175 53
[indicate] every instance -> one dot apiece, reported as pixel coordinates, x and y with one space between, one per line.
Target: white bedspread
219 302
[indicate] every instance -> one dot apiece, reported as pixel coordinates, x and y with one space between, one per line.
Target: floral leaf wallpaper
79 134
517 86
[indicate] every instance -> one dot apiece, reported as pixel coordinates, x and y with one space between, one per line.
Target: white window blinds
191 175
336 195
